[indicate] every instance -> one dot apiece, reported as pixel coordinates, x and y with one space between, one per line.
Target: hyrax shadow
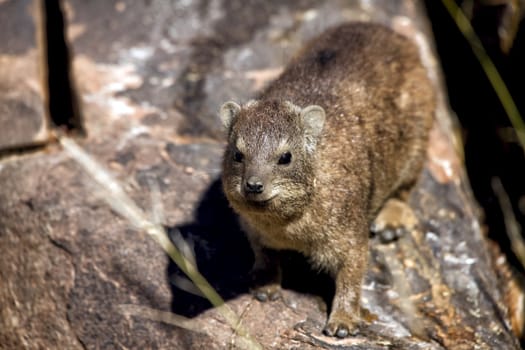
327 152
224 257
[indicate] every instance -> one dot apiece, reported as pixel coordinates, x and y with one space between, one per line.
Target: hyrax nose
254 185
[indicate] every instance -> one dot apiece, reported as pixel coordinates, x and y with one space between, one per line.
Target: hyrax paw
388 233
270 292
395 219
340 330
341 325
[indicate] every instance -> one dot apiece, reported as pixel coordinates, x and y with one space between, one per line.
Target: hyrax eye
238 156
285 158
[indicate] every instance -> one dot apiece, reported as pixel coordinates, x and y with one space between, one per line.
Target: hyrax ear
228 113
313 118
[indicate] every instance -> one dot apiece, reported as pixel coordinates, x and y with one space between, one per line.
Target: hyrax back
310 163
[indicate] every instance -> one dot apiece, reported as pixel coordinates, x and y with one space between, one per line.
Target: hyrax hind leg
394 219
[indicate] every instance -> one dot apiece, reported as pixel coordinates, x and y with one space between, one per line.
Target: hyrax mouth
258 201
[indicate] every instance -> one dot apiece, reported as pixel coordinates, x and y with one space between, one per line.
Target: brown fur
367 145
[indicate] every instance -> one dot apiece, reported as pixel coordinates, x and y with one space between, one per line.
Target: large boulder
150 77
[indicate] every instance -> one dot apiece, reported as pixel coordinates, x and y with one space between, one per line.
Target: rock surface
151 76
23 120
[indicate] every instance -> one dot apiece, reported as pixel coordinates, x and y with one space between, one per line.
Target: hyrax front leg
394 219
266 274
345 317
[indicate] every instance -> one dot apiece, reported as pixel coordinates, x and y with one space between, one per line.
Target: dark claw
267 294
387 235
400 232
342 332
274 296
261 296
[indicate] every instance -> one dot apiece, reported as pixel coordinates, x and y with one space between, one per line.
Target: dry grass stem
489 68
512 226
120 202
161 316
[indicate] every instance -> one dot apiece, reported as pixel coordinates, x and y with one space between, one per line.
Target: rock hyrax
326 152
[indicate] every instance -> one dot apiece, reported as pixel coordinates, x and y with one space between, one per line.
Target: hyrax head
269 161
